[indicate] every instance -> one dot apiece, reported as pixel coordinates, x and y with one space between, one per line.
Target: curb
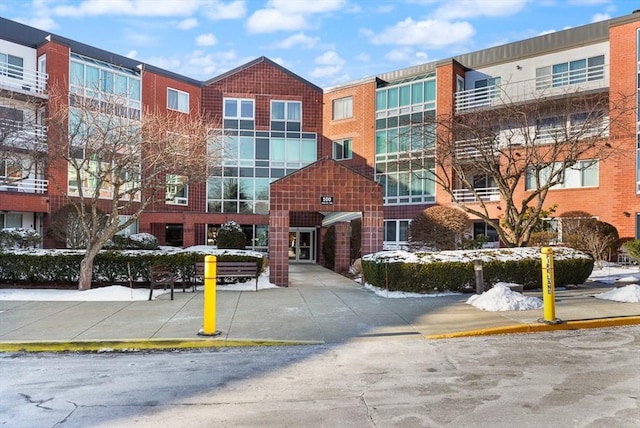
535 328
135 345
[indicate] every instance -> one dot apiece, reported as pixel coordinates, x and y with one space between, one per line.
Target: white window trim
342 112
238 101
178 92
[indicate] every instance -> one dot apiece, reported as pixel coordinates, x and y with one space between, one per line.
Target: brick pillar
342 256
372 224
322 231
278 248
188 235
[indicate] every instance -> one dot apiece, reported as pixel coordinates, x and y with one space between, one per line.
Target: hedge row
426 274
109 266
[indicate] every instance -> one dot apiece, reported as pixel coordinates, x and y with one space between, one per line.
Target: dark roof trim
258 61
32 37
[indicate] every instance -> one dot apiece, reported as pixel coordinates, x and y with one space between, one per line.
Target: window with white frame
177 192
177 100
10 171
396 231
286 116
11 65
342 149
570 72
486 89
238 108
342 108
583 174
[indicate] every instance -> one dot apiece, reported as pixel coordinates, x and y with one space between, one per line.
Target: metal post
477 267
209 324
548 287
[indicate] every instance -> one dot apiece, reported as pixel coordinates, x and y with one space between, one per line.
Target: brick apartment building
305 158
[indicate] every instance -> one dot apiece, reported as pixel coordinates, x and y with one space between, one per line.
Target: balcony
472 150
27 185
26 135
550 85
485 194
22 80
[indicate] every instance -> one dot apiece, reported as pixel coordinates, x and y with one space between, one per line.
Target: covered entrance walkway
324 189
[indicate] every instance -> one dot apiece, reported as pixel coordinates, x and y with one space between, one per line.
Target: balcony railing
591 78
486 194
14 129
27 185
471 149
24 80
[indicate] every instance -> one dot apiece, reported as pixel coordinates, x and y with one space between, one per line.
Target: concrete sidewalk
319 306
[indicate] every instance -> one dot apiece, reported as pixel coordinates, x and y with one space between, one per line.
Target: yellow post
209 324
548 287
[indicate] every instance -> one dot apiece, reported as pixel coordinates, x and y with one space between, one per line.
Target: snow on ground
499 298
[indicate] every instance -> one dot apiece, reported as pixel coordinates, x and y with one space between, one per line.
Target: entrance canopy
340 193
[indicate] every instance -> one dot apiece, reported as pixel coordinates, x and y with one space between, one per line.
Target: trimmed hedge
453 271
63 267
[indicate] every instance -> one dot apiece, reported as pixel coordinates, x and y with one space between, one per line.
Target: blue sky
327 42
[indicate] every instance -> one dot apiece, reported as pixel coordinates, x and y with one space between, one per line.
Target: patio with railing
23 80
485 194
548 85
27 185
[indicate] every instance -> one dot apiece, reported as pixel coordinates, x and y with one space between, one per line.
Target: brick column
372 236
342 256
278 248
188 235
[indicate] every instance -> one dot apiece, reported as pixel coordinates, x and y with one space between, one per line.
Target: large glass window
102 81
238 108
177 100
396 231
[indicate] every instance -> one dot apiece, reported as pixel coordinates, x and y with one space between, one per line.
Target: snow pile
628 294
114 293
502 298
403 294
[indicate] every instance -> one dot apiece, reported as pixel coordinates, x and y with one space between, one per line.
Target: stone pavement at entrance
319 306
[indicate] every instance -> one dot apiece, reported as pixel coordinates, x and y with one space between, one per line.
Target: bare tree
515 152
120 161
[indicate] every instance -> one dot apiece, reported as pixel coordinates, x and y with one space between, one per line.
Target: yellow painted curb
534 328
139 345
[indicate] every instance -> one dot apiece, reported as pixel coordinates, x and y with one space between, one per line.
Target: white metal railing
27 185
471 149
486 194
22 130
591 78
22 79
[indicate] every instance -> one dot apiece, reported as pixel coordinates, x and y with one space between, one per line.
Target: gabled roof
255 62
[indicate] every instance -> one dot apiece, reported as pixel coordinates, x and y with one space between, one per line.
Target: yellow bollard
548 287
209 323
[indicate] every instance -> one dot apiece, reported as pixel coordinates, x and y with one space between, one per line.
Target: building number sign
326 200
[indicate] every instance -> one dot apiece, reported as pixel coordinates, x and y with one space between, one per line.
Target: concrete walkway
319 306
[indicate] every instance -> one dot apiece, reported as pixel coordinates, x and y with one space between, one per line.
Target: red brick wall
360 128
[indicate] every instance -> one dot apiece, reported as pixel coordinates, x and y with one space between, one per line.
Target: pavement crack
38 403
366 405
66 418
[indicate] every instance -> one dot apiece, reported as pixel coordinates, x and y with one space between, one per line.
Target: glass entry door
302 245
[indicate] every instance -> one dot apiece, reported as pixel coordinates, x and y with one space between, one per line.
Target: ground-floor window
486 233
257 236
396 232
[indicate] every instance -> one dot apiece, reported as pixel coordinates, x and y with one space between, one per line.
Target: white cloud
403 54
299 39
206 40
427 33
287 15
270 20
330 64
187 24
132 54
458 9
600 17
129 7
216 10
330 58
363 57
